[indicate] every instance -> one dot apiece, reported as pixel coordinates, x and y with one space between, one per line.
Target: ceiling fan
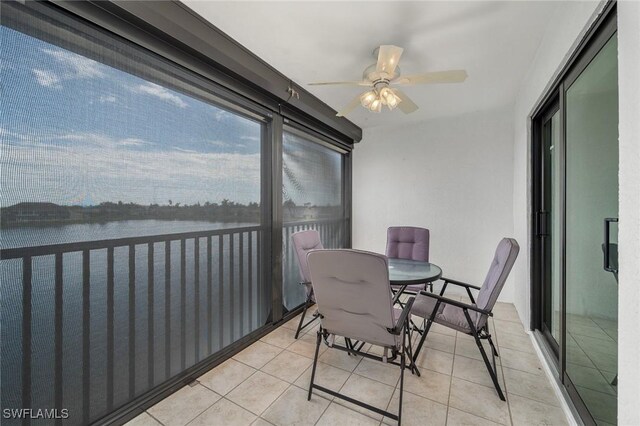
381 76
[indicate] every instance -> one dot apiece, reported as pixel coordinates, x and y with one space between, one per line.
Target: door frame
604 27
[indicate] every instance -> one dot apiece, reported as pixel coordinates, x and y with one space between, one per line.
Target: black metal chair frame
401 326
307 303
478 334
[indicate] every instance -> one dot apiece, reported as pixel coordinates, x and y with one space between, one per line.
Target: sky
78 132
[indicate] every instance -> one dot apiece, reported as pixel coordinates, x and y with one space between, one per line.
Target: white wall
629 231
450 175
562 35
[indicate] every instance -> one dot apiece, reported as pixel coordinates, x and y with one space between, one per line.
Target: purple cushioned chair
408 242
303 243
470 318
354 302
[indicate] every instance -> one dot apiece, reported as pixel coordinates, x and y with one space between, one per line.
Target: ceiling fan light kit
381 75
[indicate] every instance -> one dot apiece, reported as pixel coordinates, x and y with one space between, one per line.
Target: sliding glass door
591 200
313 198
575 267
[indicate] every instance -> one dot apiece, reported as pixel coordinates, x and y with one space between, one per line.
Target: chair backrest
353 294
503 260
408 242
303 243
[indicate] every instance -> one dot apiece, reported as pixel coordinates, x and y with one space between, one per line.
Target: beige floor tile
430 385
340 359
474 371
469 348
226 376
521 361
433 359
306 346
280 337
258 354
292 408
478 399
224 412
143 419
258 392
287 366
516 342
532 386
457 417
386 373
441 342
439 328
261 422
417 411
326 376
502 327
292 324
337 414
184 405
529 412
368 391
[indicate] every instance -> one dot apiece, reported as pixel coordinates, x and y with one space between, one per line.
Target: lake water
237 302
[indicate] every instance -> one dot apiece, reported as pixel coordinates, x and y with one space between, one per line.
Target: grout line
453 362
504 380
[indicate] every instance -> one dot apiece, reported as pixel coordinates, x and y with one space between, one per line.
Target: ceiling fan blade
406 105
388 58
453 76
350 107
340 83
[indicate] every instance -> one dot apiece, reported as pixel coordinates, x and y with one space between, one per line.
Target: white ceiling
314 41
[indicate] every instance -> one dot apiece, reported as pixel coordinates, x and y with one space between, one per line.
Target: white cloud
72 66
250 138
79 66
160 92
47 78
107 99
185 150
102 141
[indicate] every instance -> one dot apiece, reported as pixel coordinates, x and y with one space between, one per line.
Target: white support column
629 229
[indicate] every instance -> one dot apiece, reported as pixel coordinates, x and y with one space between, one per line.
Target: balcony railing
90 326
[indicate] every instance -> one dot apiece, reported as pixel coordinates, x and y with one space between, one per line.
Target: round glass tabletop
404 271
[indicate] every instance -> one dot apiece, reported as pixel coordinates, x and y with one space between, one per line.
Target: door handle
606 245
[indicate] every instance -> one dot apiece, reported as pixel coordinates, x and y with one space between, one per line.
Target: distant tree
170 202
177 204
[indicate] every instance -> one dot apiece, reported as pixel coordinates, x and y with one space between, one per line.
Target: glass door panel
591 197
551 234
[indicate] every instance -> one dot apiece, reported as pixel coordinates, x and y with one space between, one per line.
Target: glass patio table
404 272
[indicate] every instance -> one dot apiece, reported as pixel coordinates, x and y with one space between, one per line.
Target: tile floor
266 384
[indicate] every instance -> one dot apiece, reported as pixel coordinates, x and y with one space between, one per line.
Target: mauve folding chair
471 319
409 242
303 243
355 302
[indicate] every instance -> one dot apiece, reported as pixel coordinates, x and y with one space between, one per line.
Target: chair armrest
397 329
305 283
460 283
456 303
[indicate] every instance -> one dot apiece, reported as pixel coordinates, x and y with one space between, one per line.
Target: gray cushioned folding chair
303 243
354 301
471 319
408 242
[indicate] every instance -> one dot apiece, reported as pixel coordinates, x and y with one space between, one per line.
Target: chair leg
304 311
315 363
492 371
422 339
408 348
403 359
